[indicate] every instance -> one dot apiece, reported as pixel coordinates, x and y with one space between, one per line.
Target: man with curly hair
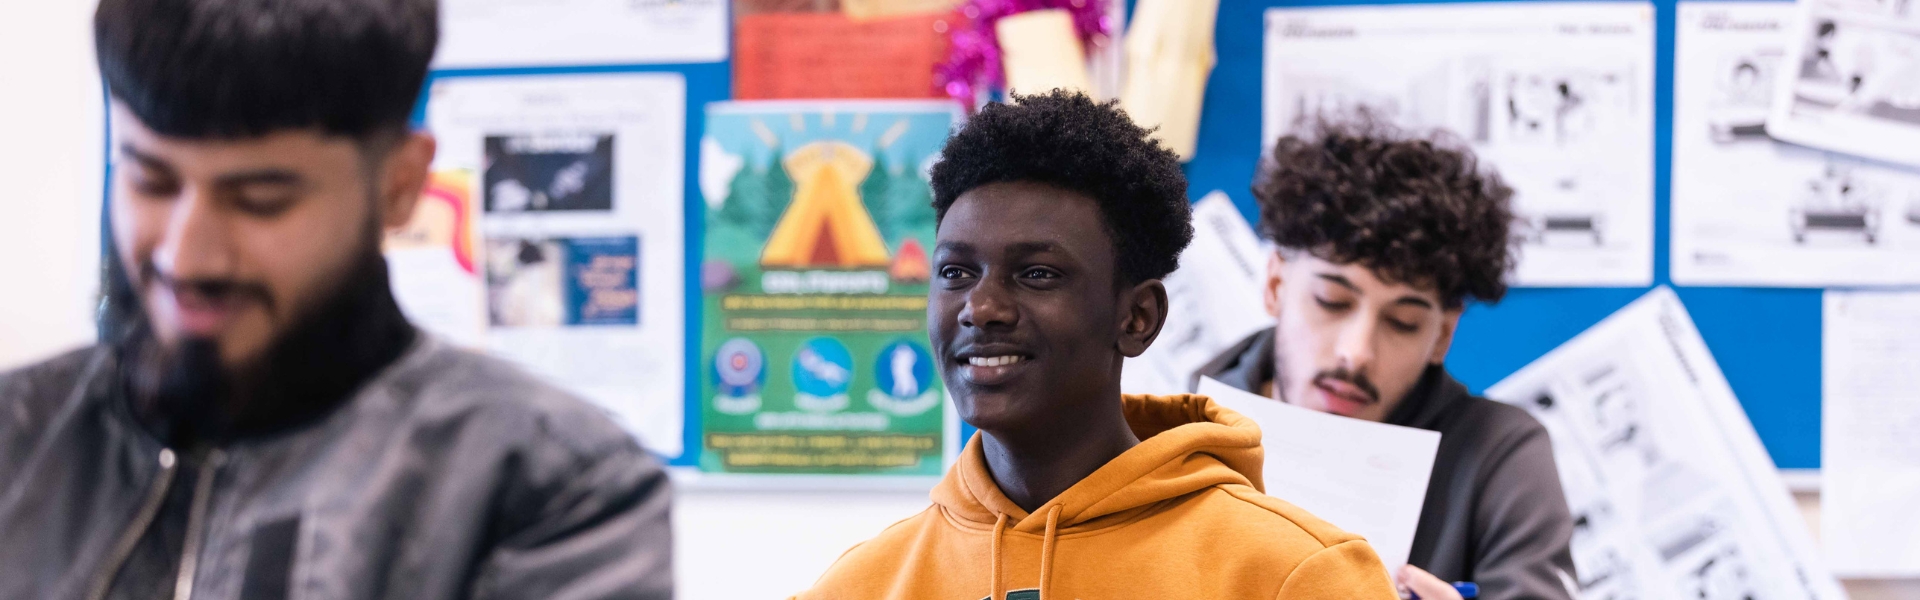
1057 219
1381 240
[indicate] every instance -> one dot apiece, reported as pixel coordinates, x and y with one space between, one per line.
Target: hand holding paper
1365 477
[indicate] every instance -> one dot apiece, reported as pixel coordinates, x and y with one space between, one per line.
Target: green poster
814 288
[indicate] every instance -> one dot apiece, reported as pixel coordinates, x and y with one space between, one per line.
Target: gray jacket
448 475
1495 514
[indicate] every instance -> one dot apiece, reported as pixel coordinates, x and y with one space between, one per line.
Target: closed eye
1331 305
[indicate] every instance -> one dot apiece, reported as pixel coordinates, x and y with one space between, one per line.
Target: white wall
733 545
50 177
730 544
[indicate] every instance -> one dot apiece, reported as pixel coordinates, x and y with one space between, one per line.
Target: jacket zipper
196 522
149 509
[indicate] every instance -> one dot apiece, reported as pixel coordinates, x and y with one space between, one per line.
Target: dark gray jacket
448 475
1495 514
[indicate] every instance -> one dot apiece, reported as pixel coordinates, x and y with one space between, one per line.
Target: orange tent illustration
910 263
826 225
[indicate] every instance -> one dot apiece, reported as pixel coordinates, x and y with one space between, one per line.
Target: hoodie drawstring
994 590
1046 550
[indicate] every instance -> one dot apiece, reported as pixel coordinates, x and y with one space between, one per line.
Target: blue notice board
1766 340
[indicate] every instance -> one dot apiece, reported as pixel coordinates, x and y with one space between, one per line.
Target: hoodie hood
1187 444
1179 515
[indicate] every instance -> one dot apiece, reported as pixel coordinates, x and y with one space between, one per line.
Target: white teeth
994 361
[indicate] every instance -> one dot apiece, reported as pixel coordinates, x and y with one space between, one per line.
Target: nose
196 243
989 306
1355 345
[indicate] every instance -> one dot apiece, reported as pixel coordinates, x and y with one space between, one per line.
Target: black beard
186 396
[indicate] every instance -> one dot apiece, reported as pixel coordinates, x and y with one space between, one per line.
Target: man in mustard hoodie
1057 219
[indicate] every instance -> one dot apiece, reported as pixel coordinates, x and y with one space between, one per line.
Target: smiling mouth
994 361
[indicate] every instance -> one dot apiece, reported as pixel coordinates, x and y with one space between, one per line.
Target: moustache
1357 380
212 290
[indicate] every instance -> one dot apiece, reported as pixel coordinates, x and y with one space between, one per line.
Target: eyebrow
263 176
1342 281
266 176
1017 248
146 160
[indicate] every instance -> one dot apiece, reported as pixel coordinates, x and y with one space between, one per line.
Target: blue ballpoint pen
1466 589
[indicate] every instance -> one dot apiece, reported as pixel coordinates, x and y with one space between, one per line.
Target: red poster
827 55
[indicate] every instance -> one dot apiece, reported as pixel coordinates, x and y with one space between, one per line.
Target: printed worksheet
1558 98
1672 494
1869 453
1365 477
575 184
1213 301
1852 79
1751 210
518 33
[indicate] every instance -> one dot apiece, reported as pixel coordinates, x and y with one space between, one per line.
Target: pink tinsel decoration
973 52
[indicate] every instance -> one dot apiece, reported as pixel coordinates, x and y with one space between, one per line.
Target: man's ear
1144 314
404 177
1449 322
1270 287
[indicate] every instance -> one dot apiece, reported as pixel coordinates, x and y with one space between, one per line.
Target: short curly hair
1067 140
1416 210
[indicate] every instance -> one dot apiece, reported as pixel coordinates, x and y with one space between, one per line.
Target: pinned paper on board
1042 53
814 354
501 33
432 260
829 55
1869 455
1750 210
1671 492
574 183
1169 56
1852 80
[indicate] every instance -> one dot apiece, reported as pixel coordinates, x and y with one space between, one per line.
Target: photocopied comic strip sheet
1559 98
1869 450
517 33
572 184
1751 210
1213 299
1672 494
1852 79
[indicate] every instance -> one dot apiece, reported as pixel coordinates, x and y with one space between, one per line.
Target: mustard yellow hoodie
1181 515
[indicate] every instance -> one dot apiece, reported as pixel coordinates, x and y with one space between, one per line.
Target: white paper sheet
1749 210
580 185
507 33
1214 301
1672 494
1870 433
1852 79
1364 477
1557 97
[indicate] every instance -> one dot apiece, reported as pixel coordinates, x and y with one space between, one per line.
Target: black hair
1414 209
222 69
1065 139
